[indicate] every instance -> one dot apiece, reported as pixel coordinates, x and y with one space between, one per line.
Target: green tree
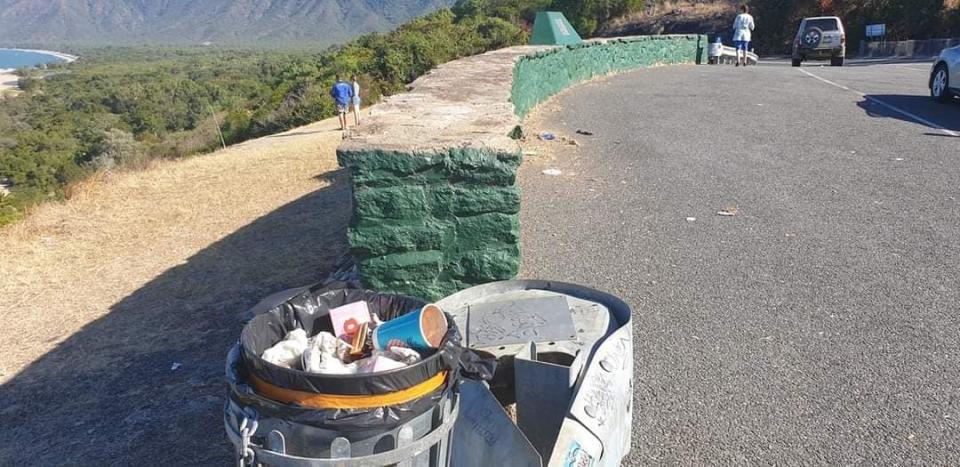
116 148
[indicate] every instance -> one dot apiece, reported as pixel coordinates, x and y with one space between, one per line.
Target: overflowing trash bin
511 374
283 412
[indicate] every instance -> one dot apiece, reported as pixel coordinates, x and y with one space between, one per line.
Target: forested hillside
122 107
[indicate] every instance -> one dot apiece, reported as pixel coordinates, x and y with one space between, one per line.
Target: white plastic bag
288 352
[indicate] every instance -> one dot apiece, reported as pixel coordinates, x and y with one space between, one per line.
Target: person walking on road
742 32
342 93
356 100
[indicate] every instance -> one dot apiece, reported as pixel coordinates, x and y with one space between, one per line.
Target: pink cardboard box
357 311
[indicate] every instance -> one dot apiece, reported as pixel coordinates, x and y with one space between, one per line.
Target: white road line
884 104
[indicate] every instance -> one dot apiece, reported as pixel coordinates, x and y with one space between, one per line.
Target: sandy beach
8 80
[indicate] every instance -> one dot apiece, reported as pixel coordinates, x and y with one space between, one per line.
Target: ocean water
18 58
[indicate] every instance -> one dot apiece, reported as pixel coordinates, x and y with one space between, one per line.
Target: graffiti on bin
481 422
605 394
519 321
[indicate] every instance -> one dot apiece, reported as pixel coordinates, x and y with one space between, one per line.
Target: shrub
116 148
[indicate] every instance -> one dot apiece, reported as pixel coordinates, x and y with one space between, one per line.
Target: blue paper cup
420 330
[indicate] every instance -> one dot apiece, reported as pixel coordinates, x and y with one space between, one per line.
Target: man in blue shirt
342 93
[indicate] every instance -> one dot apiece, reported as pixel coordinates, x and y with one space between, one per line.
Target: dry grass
68 263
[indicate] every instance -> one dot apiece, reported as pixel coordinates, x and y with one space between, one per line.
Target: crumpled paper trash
326 353
288 352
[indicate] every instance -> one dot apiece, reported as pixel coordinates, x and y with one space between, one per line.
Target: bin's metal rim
619 308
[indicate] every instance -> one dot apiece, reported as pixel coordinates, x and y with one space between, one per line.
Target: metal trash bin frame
249 453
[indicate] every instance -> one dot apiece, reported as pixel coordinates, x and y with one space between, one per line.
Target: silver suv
821 38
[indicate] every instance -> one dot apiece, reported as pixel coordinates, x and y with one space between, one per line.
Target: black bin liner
310 311
312 425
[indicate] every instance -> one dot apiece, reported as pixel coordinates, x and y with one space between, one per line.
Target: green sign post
552 28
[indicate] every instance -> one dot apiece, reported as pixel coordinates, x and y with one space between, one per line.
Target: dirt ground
100 297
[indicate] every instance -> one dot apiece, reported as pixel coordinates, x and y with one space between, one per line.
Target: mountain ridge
186 22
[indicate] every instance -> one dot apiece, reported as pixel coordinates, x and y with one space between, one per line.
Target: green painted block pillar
430 223
552 28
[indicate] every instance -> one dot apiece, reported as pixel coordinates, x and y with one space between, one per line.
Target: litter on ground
552 172
729 212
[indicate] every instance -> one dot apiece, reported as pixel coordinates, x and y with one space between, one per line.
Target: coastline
8 80
63 56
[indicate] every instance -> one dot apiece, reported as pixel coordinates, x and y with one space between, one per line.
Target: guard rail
719 54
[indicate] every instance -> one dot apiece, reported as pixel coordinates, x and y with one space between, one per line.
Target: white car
945 75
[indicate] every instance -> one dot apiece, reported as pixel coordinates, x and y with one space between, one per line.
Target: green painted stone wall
429 224
538 76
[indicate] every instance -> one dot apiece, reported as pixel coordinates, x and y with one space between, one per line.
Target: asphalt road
820 324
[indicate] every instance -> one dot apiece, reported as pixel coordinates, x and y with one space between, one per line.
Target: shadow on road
108 395
946 115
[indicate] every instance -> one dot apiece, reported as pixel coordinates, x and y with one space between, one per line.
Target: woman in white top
356 100
742 30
